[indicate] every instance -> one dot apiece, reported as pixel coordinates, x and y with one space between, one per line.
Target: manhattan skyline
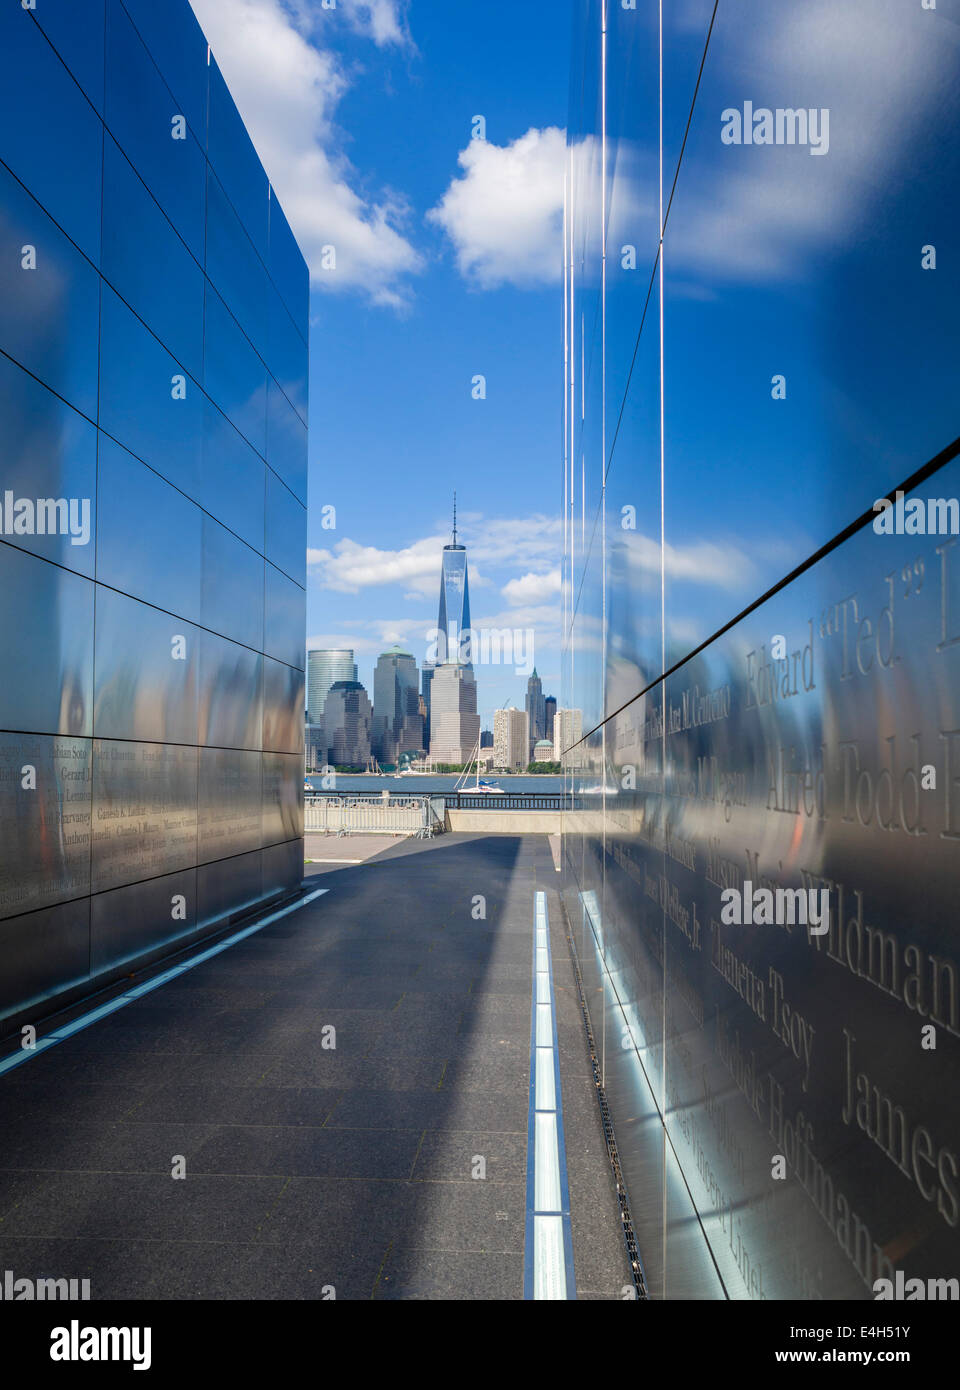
497 683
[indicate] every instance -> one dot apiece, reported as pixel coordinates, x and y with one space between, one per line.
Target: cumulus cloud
372 636
544 617
531 588
349 567
350 640
532 542
504 215
384 21
287 87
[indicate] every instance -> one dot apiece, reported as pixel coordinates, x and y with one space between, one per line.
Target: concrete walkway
310 1167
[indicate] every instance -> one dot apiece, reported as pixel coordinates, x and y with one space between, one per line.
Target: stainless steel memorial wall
153 438
763 886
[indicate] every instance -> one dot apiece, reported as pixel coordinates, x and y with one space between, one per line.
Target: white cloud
504 215
531 542
350 567
531 588
372 636
334 640
534 541
544 617
287 89
384 21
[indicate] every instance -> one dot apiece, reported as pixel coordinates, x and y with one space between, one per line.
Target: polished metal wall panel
229 802
684 43
179 49
282 797
232 477
45 791
632 117
47 682
135 558
139 112
48 314
282 867
288 269
286 441
137 238
228 886
781 1089
147 402
43 952
75 29
833 300
230 701
58 156
230 151
128 922
132 723
808 773
49 451
286 353
144 811
633 513
283 627
145 688
283 697
285 530
233 266
233 375
587 674
231 586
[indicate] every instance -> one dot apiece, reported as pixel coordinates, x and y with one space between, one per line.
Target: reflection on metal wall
761 875
153 401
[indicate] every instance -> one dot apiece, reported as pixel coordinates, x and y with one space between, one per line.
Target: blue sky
446 268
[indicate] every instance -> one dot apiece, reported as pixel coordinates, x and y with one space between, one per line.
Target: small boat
481 784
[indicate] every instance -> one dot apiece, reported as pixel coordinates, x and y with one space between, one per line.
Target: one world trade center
454 722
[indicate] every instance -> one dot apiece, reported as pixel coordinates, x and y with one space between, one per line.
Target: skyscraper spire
454 518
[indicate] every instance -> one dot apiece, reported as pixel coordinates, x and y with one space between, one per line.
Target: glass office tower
770 685
153 444
324 667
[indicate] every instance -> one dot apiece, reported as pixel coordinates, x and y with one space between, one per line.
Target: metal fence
363 813
401 813
509 801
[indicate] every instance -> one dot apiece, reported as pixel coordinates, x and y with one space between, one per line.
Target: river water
435 782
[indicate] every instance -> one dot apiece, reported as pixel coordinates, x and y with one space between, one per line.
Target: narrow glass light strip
549 1273
544 1025
547 1181
548 1251
546 1089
